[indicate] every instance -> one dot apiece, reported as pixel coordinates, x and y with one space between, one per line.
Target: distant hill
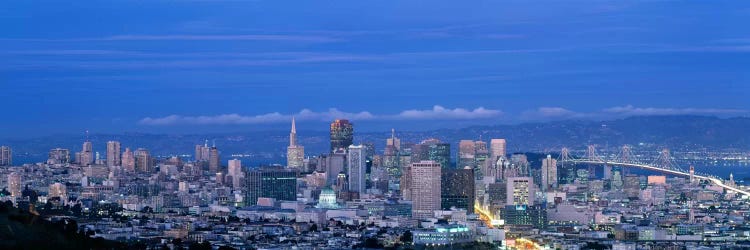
676 132
22 230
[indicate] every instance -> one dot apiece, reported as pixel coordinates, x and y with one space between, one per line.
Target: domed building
327 199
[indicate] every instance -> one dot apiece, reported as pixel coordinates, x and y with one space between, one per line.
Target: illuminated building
356 169
342 134
6 156
113 153
295 153
270 182
425 189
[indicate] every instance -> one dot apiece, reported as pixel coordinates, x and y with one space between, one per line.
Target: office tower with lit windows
520 191
466 151
214 160
457 189
434 150
342 134
86 156
143 160
549 173
6 156
497 149
356 169
270 182
295 153
335 163
128 160
234 171
425 189
113 153
14 184
58 190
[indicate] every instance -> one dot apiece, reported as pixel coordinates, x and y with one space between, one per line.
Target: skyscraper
342 134
295 154
235 172
357 168
498 148
466 151
434 150
6 156
520 191
128 160
457 189
202 152
335 165
425 189
143 161
113 153
14 184
86 156
271 182
549 173
213 160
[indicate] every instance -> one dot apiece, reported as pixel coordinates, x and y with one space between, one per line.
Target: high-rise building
466 151
295 153
6 156
520 191
497 147
270 182
14 184
342 134
128 160
356 169
481 159
425 189
58 156
457 189
439 152
113 153
202 152
86 156
143 160
213 160
393 141
549 173
405 183
235 172
58 190
335 163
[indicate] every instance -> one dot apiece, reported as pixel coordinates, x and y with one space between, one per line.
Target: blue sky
195 66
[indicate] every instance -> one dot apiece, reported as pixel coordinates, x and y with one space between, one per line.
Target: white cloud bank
436 113
559 113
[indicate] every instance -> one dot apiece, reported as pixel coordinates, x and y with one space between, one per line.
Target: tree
407 237
314 227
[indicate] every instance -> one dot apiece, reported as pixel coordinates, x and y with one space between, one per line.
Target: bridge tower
591 156
567 166
665 161
625 156
692 174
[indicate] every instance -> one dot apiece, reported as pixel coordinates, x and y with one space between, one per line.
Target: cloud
436 113
559 113
630 110
440 113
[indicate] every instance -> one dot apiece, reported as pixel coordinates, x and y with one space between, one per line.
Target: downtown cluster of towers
421 173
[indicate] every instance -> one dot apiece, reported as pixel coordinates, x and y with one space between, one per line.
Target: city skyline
397 125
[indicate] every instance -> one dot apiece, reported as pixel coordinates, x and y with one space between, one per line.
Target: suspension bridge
664 163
